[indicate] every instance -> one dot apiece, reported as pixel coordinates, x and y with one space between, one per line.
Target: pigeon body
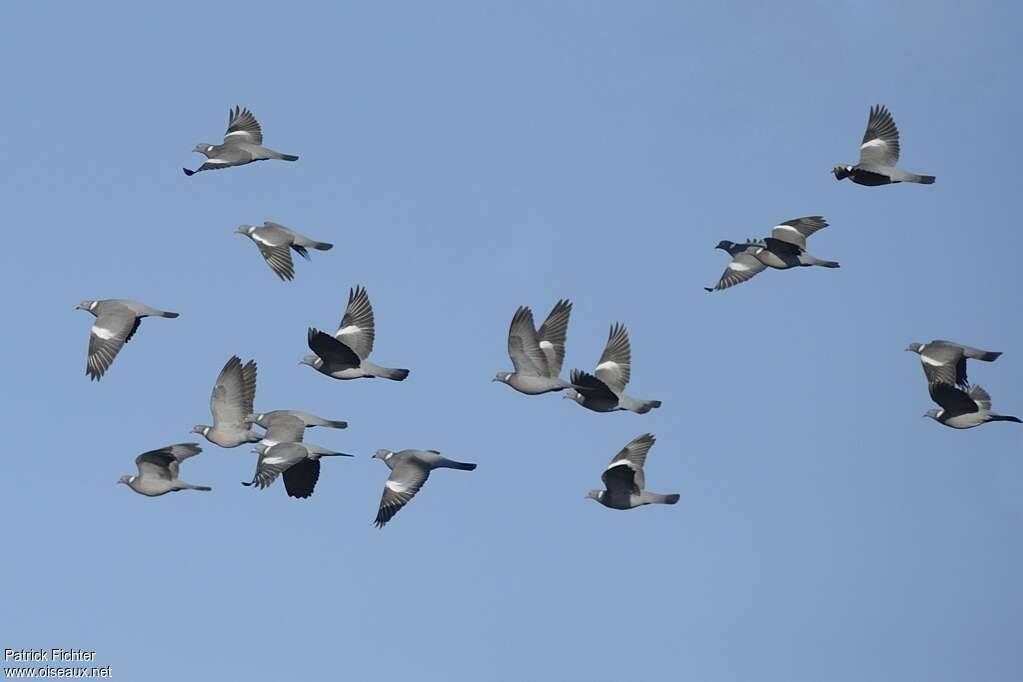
784 249
945 361
288 426
409 471
242 144
230 402
879 152
537 355
964 409
158 470
345 355
117 320
605 392
275 243
625 481
298 462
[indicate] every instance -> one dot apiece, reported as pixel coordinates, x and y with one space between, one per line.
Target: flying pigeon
879 152
288 426
242 144
344 355
230 402
274 241
624 479
299 462
158 470
963 410
409 471
537 355
605 392
945 361
117 320
784 249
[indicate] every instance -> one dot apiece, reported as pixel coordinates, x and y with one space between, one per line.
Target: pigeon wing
742 267
797 230
357 328
981 398
627 466
591 387
952 399
524 345
300 479
402 485
163 462
276 460
233 393
552 335
615 366
111 330
242 126
332 351
880 146
285 428
944 364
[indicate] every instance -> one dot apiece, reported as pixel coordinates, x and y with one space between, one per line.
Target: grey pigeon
288 426
945 361
879 152
242 144
963 410
275 241
345 355
117 320
158 470
605 392
409 471
230 402
784 249
537 355
299 462
624 480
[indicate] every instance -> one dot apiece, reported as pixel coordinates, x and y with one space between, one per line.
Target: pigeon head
572 394
503 377
87 305
201 429
127 480
203 148
842 172
261 448
933 414
245 229
915 347
311 360
254 419
382 453
595 495
725 245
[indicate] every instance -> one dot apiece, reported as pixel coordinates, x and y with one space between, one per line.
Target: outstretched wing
944 363
357 326
332 351
796 231
952 399
233 393
591 387
742 267
880 146
109 333
242 126
625 472
552 335
615 366
524 345
300 479
402 485
164 462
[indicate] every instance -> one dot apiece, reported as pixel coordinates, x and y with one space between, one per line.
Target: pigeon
537 355
409 471
117 320
299 462
605 392
944 362
288 426
624 480
242 144
274 241
879 152
963 410
343 356
784 249
230 402
158 470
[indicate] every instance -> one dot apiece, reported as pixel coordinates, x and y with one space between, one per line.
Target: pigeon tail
392 374
1005 418
334 454
920 179
322 246
664 499
334 424
807 259
170 315
461 466
289 157
645 406
189 173
204 488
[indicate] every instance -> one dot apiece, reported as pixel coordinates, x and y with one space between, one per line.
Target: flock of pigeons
537 355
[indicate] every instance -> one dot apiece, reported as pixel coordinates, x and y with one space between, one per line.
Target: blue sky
466 158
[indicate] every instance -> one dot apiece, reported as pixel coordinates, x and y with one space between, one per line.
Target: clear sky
467 158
